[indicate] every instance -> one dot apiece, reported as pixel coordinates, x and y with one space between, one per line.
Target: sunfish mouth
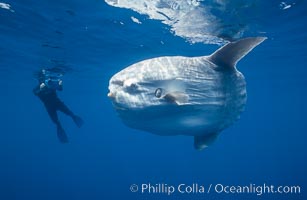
111 95
116 105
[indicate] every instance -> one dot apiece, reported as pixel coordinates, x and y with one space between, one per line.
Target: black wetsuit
53 104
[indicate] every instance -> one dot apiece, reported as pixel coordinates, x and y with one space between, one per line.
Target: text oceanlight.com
195 188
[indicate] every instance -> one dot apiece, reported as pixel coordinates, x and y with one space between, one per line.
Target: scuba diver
46 91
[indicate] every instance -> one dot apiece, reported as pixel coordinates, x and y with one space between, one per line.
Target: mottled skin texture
215 96
195 96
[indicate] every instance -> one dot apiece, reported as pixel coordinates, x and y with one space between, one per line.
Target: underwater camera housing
51 79
53 83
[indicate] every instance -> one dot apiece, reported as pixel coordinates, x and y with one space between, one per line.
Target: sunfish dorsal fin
203 141
229 54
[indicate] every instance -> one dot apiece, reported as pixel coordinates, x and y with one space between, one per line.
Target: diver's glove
60 87
42 86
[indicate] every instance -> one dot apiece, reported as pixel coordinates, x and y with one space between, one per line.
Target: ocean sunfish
176 95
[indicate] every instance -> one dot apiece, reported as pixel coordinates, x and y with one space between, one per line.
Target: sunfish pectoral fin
229 54
178 98
203 141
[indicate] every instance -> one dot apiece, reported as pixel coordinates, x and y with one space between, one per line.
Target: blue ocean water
91 40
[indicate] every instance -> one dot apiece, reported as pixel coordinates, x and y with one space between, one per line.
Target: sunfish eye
158 92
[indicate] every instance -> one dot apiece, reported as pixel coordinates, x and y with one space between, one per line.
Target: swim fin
78 121
62 135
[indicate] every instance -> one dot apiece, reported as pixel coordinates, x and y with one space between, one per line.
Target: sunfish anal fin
178 98
203 141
